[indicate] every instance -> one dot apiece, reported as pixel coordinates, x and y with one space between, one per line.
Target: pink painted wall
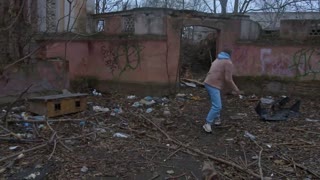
153 59
285 61
107 60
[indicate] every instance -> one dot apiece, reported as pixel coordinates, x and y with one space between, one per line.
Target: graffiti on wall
122 57
274 64
306 62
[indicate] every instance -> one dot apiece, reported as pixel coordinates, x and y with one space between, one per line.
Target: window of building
128 24
100 25
315 29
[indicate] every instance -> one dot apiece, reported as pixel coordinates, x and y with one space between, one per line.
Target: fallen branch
295 164
57 120
11 104
172 154
309 132
259 160
176 177
77 137
11 133
24 151
155 177
243 169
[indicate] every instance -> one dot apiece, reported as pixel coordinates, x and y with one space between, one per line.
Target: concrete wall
144 60
271 20
300 29
142 54
301 62
43 75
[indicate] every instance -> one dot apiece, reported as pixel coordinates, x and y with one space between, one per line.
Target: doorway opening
198 51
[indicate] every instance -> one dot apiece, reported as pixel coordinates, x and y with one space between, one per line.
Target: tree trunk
223 6
214 6
236 7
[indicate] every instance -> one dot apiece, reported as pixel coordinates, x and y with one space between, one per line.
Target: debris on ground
276 110
115 137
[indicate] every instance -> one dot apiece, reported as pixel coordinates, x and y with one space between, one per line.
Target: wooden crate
57 105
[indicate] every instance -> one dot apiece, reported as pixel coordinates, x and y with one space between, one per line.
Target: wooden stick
12 133
155 177
172 154
24 151
54 149
176 177
300 165
11 104
243 169
195 177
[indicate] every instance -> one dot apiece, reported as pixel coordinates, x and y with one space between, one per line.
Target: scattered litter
38 166
288 169
121 135
136 104
13 148
241 96
255 157
100 109
249 135
279 162
229 139
28 135
18 109
312 120
269 145
147 103
196 98
277 111
118 110
32 176
148 98
149 110
82 123
100 130
41 126
181 95
84 169
96 93
38 118
266 100
69 141
168 145
24 116
166 112
170 172
131 97
238 116
66 92
191 84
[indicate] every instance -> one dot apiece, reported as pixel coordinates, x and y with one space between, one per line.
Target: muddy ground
167 143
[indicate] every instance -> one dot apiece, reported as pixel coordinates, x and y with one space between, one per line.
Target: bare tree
223 4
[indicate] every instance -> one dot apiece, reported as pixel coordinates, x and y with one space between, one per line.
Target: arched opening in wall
198 51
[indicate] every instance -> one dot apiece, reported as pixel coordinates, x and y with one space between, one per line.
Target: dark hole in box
77 103
57 107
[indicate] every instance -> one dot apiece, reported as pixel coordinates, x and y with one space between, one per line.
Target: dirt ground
167 143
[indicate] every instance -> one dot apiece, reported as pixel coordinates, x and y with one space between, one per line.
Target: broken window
127 24
100 25
315 29
57 107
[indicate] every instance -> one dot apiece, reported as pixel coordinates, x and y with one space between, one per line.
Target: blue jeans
216 104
